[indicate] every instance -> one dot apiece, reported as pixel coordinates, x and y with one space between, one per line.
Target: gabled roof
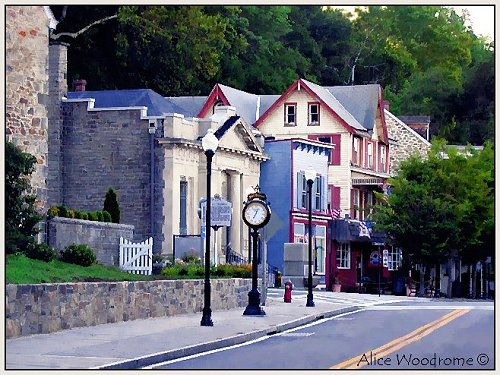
361 101
157 105
191 105
324 96
248 106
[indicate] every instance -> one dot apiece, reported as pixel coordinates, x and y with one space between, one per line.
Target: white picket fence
136 257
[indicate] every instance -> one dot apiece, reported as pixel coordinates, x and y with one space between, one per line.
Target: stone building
404 141
26 87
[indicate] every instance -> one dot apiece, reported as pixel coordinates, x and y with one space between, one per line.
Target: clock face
256 213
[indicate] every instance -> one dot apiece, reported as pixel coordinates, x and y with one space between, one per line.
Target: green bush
100 217
111 205
92 215
53 212
80 254
71 214
107 216
63 212
41 252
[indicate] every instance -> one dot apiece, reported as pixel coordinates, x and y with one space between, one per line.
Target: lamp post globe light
310 175
209 143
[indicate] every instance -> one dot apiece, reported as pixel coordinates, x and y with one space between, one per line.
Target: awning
350 230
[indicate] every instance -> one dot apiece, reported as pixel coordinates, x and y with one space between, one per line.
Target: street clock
256 212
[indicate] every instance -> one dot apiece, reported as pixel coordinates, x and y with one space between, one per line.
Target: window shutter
336 197
336 151
300 178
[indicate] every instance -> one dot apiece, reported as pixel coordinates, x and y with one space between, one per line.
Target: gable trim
215 95
299 85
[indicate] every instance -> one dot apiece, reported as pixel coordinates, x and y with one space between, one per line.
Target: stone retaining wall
45 308
103 238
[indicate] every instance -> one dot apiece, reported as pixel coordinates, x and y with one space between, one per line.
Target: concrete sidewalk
140 343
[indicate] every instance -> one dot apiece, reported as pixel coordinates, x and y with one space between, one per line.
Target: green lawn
22 270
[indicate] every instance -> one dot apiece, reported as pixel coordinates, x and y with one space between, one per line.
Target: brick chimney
79 85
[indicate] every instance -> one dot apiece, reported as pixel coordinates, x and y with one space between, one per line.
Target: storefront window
395 258
343 256
299 233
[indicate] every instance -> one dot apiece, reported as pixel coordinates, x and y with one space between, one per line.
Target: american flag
363 230
335 213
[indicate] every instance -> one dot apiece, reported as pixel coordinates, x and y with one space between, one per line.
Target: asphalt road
434 335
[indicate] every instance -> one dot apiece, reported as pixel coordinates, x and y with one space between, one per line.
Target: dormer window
290 114
313 112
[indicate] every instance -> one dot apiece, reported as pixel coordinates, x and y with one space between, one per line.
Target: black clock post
256 214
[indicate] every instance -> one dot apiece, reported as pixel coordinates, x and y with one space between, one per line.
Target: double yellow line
390 347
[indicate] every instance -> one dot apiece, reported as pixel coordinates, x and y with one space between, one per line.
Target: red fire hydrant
288 291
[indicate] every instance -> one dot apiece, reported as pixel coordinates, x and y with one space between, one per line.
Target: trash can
277 280
398 286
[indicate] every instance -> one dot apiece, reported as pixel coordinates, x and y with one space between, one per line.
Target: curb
151 359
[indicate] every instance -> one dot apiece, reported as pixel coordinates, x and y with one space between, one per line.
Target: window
299 233
183 208
313 111
343 256
218 103
318 197
382 158
355 203
332 139
370 155
356 152
320 249
395 258
368 203
290 114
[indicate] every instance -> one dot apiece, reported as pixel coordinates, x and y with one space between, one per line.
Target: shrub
80 254
84 215
63 212
106 216
191 258
111 205
71 214
41 252
99 215
21 217
53 212
92 215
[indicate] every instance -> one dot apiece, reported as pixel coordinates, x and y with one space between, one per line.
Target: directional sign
220 214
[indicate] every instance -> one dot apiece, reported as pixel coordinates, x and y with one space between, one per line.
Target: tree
439 207
20 213
111 205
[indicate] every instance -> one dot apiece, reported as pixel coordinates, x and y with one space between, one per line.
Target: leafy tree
440 206
111 205
21 216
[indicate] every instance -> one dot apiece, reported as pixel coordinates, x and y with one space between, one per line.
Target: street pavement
140 343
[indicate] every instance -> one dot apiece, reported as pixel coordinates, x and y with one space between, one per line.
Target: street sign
203 231
221 211
385 258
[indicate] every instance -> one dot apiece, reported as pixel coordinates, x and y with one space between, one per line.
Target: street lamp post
310 176
209 143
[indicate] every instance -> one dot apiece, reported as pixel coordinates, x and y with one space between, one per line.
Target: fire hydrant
288 291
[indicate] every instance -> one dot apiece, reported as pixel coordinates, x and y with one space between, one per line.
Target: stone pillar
26 91
58 87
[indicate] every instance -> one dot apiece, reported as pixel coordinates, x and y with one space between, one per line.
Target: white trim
407 127
369 172
52 20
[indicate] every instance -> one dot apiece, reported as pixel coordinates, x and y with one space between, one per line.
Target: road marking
288 332
432 307
297 334
392 346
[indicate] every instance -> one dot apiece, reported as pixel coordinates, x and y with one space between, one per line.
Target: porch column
235 195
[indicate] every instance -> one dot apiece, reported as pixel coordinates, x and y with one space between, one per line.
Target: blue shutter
300 186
